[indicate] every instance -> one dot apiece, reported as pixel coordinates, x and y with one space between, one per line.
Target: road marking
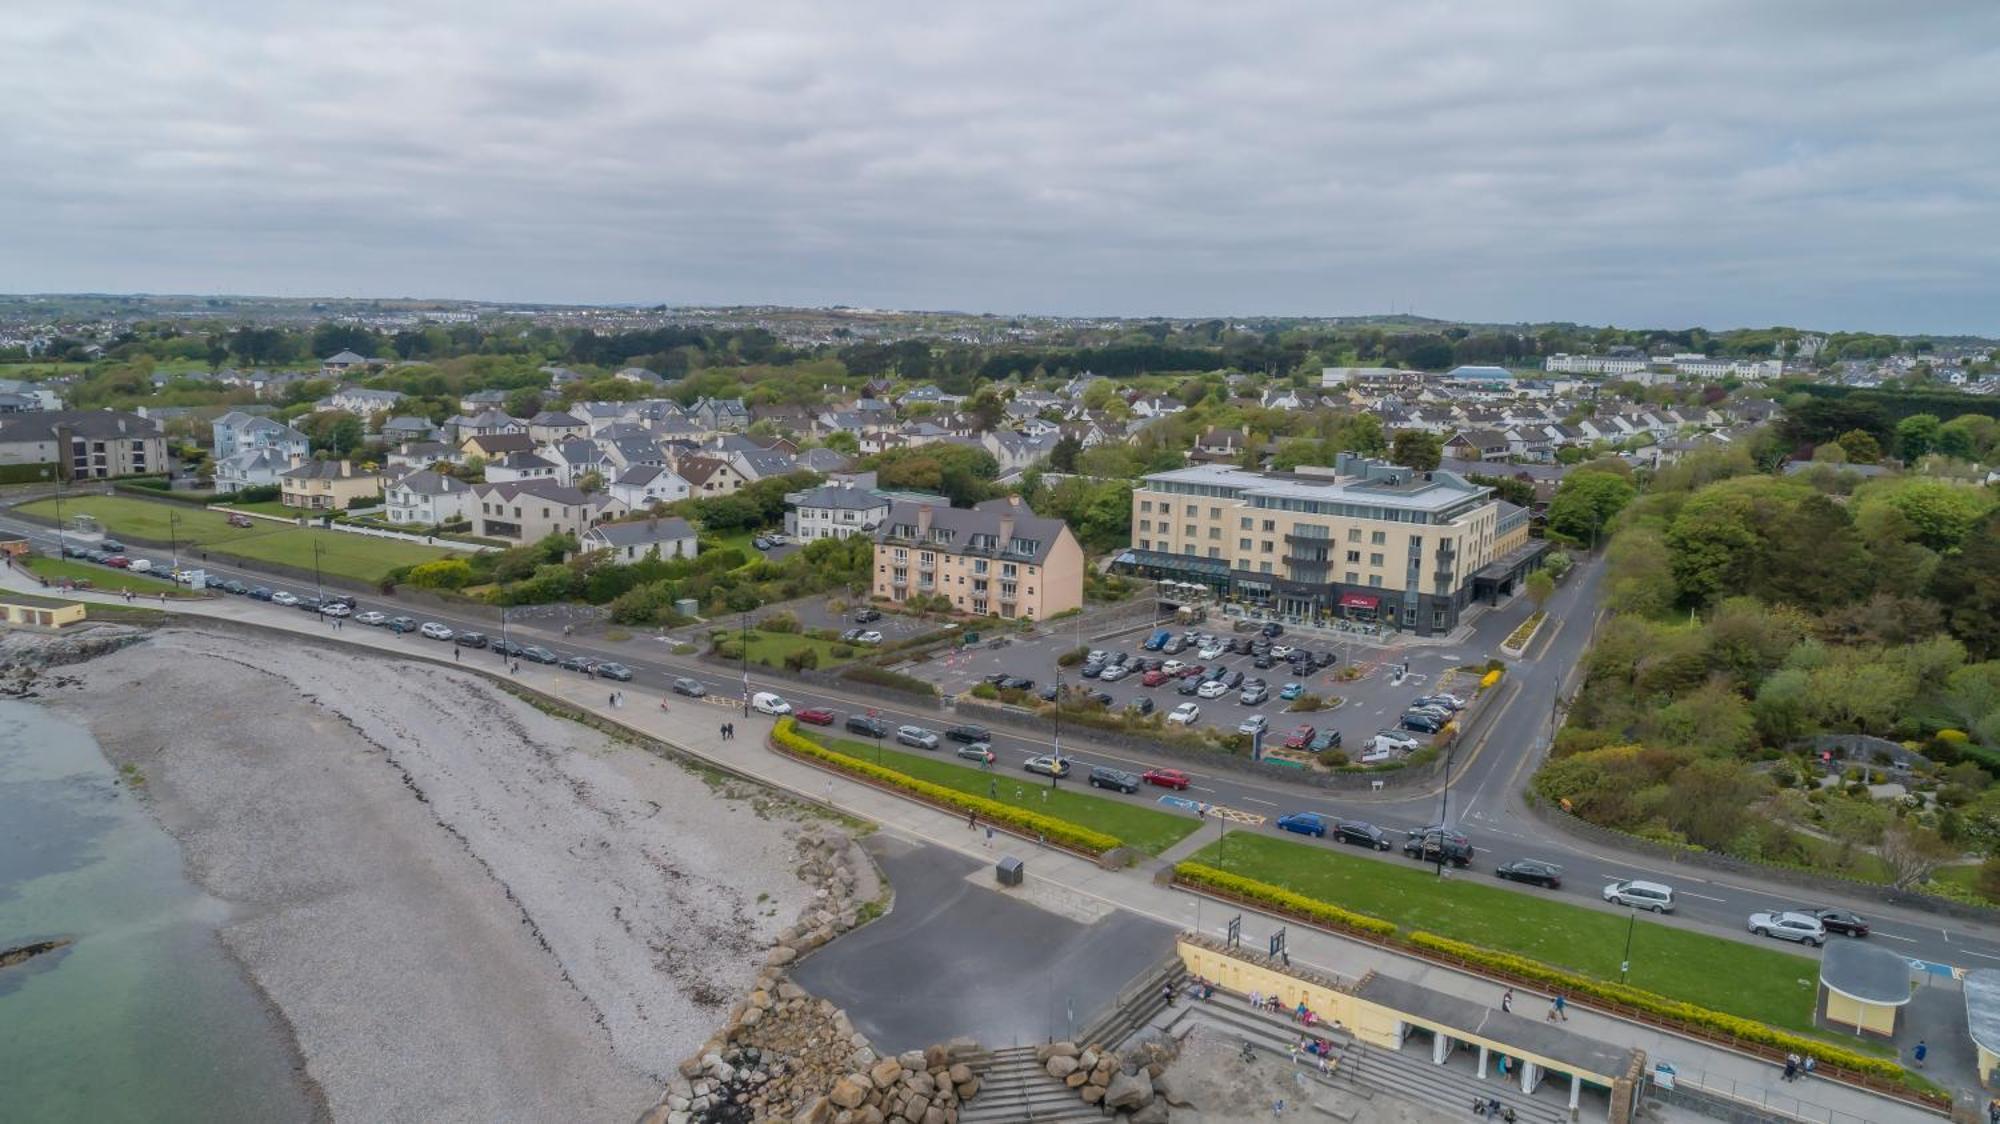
1981 955
1254 800
1894 937
1198 788
1703 897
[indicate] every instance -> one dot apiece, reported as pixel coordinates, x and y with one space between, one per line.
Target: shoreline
518 918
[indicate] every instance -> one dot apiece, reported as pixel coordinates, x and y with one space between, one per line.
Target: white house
629 542
520 466
236 431
362 401
425 498
833 511
250 468
644 485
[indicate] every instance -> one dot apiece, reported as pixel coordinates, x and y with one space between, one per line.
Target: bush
1307 703
986 691
779 622
1060 832
883 677
1250 889
1659 1005
1072 657
842 651
803 659
1333 758
445 573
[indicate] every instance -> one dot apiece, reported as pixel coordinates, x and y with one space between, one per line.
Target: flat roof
1442 489
1867 974
1982 1008
1576 1052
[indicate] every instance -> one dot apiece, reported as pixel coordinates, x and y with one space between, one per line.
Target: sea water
144 1017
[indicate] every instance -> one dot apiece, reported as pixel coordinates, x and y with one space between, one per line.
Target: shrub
1490 679
883 677
445 573
986 691
803 659
1060 832
1659 1005
1072 657
779 622
1250 889
1307 702
842 651
1333 758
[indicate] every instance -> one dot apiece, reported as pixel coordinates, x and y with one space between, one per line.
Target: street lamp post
1057 767
746 664
173 537
319 588
1444 803
1625 965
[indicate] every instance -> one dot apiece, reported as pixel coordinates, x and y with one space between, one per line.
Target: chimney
346 468
1007 523
296 459
924 521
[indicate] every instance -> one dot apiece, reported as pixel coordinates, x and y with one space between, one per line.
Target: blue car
1157 640
1305 823
1291 691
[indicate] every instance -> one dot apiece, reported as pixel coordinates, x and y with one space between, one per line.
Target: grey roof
841 499
823 460
1982 1007
976 529
326 470
489 419
424 482
414 424
1463 1017
577 450
764 462
641 532
41 425
523 460
1869 973
1436 491
540 487
554 417
346 357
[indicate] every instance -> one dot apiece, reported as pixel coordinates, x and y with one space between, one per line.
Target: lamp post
746 663
1625 965
173 537
319 588
1444 802
1057 767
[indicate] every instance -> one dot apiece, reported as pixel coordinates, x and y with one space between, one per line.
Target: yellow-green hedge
1731 1025
1060 832
1250 889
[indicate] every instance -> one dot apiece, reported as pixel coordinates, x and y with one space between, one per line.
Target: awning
1359 601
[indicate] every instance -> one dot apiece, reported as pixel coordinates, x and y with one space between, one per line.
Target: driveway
958 955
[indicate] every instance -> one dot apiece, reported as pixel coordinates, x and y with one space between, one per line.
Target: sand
465 909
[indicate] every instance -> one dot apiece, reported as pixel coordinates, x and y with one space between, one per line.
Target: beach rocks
1125 1086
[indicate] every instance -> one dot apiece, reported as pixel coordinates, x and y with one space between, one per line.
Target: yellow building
1982 1018
998 559
326 485
1865 987
1362 540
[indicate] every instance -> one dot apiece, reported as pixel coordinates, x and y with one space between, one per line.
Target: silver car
1801 927
916 736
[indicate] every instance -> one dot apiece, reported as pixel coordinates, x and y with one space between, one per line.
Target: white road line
1894 937
1198 788
1981 955
1254 800
1703 897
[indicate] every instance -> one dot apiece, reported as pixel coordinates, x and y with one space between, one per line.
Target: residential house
84 444
479 401
492 446
1478 445
520 466
575 459
644 485
639 375
757 464
551 426
1014 452
721 414
1216 446
420 454
824 460
402 428
624 452
326 485
996 559
486 423
834 511
363 402
250 468
341 362
630 541
525 511
236 431
707 476
34 395
1156 406
425 499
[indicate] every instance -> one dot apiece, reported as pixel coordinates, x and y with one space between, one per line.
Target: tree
1539 587
1967 582
1861 446
1513 489
524 403
986 409
1062 457
592 481
1913 852
1413 448
1585 503
1916 436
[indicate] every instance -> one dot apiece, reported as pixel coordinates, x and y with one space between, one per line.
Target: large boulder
820 1111
849 1091
960 1073
1163 1088
1129 1090
1055 1050
1092 1093
1152 1112
1062 1065
885 1072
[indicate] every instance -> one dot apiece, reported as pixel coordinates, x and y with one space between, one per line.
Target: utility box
687 607
1010 871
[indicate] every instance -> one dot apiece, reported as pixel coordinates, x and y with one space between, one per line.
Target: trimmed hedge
1060 832
27 473
1732 1026
883 677
1250 889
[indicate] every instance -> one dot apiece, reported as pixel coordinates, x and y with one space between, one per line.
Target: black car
1189 686
308 604
1264 662
1153 664
1421 723
1235 680
537 654
865 616
1092 670
616 671
1017 683
1842 921
1048 693
997 678
341 599
112 546
469 639
1273 629
261 593
1325 659
1101 698
851 635
234 586
1141 705
866 726
1362 835
1531 870
1433 844
969 734
577 663
1240 645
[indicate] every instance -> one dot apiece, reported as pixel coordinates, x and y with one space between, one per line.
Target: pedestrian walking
1167 993
1507 1000
1922 1051
989 837
1294 1052
1562 1007
454 651
722 730
993 788
971 821
1791 1066
1810 1065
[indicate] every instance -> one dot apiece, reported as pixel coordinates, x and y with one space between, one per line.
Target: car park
867 727
1360 833
1841 921
371 618
1255 724
1789 926
969 734
285 598
1167 778
1047 765
612 670
916 736
815 715
977 751
1304 823
1534 871
1118 780
1641 895
432 630
766 702
1291 691
535 653
1300 738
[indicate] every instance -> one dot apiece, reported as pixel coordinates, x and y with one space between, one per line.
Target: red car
118 561
1153 678
1166 778
818 716
1193 671
1300 738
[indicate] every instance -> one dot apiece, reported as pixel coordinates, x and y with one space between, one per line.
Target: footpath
693 726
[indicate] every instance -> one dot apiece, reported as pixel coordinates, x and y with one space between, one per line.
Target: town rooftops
836 498
540 487
424 482
1357 480
324 470
42 425
554 418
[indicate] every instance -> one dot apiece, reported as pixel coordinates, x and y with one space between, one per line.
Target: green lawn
104 577
266 507
1754 981
771 648
198 529
1144 828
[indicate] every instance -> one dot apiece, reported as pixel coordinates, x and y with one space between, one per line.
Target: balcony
899 580
1308 558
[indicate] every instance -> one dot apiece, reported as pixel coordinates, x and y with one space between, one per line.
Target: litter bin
1009 871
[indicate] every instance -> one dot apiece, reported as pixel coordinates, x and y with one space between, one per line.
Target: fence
1724 1098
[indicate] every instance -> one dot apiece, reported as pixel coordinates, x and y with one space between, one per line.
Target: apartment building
1363 540
998 559
525 511
83 444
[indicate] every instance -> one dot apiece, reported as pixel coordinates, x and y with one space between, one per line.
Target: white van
1641 895
764 702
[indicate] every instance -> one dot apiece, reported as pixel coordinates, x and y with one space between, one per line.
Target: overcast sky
1748 162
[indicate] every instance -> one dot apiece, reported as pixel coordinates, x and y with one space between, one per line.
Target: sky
1830 164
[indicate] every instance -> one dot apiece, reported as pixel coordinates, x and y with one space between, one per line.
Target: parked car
871 638
1446 702
1325 740
535 653
140 565
1158 640
238 519
1300 738
1305 823
507 649
867 616
346 599
1142 705
1048 693
233 586
815 715
916 736
1167 778
761 543
1212 651
1291 691
285 598
1153 679
1047 765
850 636
112 546
1422 723
335 609
1173 667
1092 670
1188 686
1101 698
1788 926
371 618
978 751
1254 695
1282 651
1361 834
1396 738
1435 843
307 605
432 630
1113 673
1254 724
577 663
1273 629
765 702
1325 658
969 734
1531 870
1104 776
1264 662
1641 895
610 670
262 593
867 727
1213 689
463 639
692 688
1841 921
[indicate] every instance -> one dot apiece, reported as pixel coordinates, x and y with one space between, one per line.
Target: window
1266 546
1375 560
1145 544
1378 538
1353 577
1145 524
1215 513
1192 510
1190 530
1243 544
1242 563
1145 505
1375 579
1354 534
1270 525
1215 532
1214 552
1246 522
1354 556
1263 567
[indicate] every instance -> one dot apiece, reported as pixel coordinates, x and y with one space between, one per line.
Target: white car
335 609
764 702
1396 738
1281 651
869 637
1213 689
141 566
1801 927
1184 715
435 631
1254 724
286 599
1115 672
1173 667
371 618
1211 651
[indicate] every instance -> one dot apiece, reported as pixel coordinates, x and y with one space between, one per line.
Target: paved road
1483 795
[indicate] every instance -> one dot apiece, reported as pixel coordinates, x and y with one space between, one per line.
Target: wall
1874 1018
41 617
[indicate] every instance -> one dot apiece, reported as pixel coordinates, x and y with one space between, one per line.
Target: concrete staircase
1139 1006
1015 1089
1361 1070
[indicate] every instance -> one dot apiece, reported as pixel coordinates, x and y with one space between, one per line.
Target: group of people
1492 1109
1797 1067
728 730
